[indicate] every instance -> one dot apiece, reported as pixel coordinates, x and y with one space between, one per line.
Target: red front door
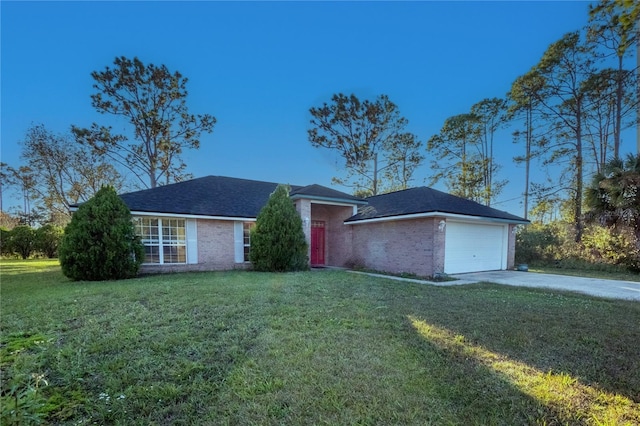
317 242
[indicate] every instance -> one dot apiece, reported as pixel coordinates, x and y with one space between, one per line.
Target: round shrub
100 242
22 240
48 238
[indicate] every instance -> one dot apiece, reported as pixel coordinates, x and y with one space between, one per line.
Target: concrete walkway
614 289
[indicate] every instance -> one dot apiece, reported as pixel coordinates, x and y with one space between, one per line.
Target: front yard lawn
320 347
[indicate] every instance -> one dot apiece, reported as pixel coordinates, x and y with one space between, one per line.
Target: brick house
204 224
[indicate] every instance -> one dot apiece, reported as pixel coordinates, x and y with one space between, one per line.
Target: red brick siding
511 248
215 244
414 246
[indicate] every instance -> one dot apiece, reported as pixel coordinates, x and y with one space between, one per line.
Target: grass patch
438 278
607 274
310 348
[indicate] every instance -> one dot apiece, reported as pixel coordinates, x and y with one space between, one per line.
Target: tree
600 109
5 241
7 221
47 239
546 210
491 115
62 172
564 69
153 101
463 157
404 158
613 26
22 240
23 178
277 241
522 100
100 242
613 198
370 137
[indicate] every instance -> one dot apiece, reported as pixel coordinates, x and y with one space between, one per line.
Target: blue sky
259 66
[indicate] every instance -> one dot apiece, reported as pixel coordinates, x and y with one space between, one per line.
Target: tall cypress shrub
277 240
100 242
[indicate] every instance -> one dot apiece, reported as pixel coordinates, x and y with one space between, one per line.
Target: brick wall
399 246
413 246
511 248
439 244
215 244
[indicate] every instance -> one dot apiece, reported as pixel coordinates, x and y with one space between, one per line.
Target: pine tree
277 241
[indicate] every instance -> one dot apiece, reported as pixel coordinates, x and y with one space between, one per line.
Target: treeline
612 232
24 241
601 248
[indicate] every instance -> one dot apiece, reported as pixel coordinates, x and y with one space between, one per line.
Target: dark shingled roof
219 196
323 193
426 200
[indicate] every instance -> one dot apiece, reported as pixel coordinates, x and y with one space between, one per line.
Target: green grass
612 274
320 347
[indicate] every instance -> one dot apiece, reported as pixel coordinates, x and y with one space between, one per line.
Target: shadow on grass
488 379
589 339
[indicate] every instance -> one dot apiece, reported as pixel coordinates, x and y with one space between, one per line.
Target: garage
473 247
427 232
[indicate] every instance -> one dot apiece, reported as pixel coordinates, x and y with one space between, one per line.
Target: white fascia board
464 218
193 216
453 216
327 200
330 203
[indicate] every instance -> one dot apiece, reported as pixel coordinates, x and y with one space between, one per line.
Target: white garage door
472 247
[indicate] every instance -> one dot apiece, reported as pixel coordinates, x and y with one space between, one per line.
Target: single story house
204 224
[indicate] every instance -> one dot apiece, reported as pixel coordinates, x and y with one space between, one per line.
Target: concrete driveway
628 290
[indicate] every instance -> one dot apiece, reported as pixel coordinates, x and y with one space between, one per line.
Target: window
246 233
164 239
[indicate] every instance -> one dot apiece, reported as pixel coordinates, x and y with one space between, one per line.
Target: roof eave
341 201
192 216
437 214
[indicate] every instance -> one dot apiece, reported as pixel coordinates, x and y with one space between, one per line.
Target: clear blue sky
259 66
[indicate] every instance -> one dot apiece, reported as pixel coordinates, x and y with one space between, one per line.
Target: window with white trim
246 233
164 239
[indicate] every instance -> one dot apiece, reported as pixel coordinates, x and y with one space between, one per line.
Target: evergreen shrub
100 242
277 241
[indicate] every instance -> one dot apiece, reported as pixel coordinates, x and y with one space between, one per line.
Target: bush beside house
277 241
100 242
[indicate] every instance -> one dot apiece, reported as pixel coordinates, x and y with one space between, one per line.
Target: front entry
317 243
